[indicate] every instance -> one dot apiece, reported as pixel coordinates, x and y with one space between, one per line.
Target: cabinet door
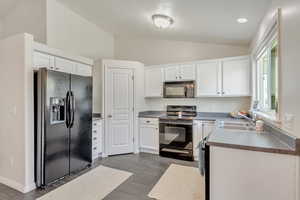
149 138
172 73
83 70
207 128
208 76
154 82
236 77
43 60
187 72
64 65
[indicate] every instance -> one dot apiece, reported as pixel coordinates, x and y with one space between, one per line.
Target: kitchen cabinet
201 129
43 60
149 135
208 79
229 77
64 65
184 72
172 73
187 72
97 139
236 77
82 69
154 82
237 174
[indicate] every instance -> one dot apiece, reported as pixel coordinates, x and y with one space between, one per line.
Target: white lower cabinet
240 174
149 135
97 140
201 130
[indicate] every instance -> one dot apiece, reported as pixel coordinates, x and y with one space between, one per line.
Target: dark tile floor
146 168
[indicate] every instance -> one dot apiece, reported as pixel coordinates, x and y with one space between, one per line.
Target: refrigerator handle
72 113
67 103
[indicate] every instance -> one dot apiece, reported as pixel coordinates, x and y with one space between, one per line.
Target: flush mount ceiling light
162 21
242 20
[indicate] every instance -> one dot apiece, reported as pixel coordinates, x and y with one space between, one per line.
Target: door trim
118 64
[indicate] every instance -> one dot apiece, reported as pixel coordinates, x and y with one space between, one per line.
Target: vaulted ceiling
5 6
195 20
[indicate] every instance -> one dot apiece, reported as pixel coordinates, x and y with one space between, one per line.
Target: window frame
272 33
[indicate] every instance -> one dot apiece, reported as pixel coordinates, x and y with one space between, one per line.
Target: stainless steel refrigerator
63 111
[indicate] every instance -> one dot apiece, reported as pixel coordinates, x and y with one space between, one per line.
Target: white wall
290 48
1 28
70 32
16 119
152 52
28 16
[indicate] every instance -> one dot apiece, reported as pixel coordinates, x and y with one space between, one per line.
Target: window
267 78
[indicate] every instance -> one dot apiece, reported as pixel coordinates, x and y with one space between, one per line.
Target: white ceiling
5 6
195 20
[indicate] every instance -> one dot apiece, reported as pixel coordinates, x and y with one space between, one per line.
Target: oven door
176 139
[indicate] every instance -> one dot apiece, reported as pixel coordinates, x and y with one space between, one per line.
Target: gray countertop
250 140
271 141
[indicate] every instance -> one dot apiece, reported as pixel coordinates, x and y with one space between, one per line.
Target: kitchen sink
242 126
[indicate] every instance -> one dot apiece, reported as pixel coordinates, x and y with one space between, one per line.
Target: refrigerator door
52 134
81 123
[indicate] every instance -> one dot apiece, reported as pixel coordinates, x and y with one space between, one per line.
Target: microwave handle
185 91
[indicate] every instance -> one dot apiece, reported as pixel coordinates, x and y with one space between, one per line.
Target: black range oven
176 132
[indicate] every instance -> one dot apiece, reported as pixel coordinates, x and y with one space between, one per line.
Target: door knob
109 116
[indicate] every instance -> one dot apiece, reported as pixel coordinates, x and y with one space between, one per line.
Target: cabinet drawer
149 121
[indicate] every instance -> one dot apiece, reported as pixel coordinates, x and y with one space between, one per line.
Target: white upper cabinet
236 77
64 65
41 60
227 77
83 70
208 79
187 72
180 72
172 73
154 82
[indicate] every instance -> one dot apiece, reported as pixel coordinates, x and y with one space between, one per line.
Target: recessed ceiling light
162 21
242 20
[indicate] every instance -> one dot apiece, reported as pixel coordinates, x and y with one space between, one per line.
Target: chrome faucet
252 120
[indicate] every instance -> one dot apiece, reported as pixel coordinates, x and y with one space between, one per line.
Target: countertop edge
252 148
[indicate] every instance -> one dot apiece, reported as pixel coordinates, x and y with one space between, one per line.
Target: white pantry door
120 110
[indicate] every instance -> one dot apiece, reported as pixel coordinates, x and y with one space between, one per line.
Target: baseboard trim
16 185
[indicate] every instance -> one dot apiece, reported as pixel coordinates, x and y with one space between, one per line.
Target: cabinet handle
148 121
180 77
223 92
218 92
94 138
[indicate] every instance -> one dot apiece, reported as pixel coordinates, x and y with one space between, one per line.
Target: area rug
94 185
178 183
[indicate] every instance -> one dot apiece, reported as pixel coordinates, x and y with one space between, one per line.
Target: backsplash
203 104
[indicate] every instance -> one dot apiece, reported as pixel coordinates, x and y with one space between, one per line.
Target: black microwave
184 89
